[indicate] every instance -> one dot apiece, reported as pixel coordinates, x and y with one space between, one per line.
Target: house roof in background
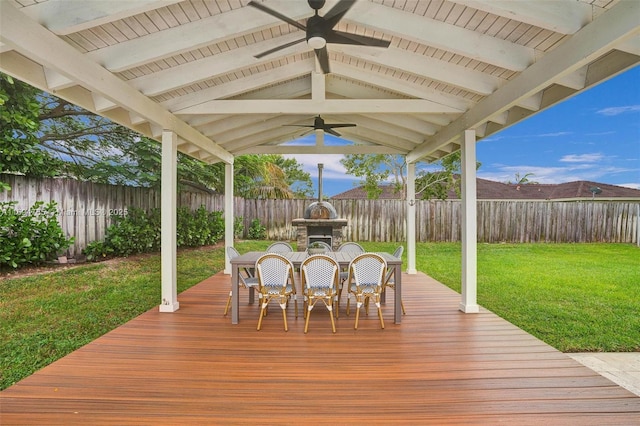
492 190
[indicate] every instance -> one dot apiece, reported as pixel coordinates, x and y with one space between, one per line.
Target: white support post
168 221
469 302
229 214
411 218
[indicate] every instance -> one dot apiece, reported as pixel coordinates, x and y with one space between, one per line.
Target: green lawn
576 297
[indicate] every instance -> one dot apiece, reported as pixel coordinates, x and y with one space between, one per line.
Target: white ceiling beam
441 35
349 89
231 122
210 67
318 86
257 127
392 131
57 81
406 121
34 41
425 66
403 87
340 106
561 16
64 17
197 34
324 150
594 40
266 137
241 85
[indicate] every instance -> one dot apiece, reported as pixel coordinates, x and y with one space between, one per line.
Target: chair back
398 252
367 270
232 252
279 247
320 271
350 246
274 270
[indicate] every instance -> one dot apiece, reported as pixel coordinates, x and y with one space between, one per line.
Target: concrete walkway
622 368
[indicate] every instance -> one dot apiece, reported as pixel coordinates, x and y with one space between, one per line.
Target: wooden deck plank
439 366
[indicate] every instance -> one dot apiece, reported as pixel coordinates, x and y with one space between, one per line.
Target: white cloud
553 135
582 158
611 111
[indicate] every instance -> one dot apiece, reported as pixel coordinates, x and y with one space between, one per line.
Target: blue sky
593 136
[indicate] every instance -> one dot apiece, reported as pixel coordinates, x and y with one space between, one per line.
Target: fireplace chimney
320 167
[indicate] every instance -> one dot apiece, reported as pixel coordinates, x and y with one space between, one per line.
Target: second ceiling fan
319 124
320 30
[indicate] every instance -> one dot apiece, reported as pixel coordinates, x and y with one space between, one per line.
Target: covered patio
215 79
439 366
191 74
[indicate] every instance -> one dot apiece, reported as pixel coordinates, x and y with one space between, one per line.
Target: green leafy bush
198 228
139 232
257 231
30 237
238 227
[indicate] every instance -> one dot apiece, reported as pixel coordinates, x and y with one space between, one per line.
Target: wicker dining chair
319 277
279 247
276 281
365 282
246 278
344 274
389 279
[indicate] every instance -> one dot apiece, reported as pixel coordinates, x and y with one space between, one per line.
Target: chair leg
333 322
284 316
403 311
308 315
226 308
380 312
262 315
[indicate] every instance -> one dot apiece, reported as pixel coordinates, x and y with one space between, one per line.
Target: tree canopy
431 182
43 135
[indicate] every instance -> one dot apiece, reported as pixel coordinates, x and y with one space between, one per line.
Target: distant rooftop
491 190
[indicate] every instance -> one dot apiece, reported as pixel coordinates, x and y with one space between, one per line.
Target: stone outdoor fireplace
320 222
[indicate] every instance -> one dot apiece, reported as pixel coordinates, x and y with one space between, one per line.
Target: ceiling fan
319 124
319 30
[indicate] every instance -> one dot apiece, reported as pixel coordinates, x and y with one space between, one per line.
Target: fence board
87 209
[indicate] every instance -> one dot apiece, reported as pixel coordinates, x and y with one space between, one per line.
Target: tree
44 135
19 124
522 180
430 182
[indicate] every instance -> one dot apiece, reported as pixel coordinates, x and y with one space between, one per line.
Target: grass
576 297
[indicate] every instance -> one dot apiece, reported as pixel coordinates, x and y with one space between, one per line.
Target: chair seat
276 289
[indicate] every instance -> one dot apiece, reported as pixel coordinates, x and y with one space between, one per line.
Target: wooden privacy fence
86 210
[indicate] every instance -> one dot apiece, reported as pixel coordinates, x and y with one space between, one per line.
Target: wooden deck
439 366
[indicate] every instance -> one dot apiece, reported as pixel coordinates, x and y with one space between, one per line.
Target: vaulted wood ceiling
190 66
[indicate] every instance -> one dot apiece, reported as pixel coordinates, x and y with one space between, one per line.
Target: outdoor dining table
248 260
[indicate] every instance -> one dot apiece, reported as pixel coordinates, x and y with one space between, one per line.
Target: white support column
411 218
168 221
229 214
469 302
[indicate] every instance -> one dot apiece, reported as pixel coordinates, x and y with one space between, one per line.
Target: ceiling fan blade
278 15
298 125
323 58
331 131
275 49
332 126
360 40
332 17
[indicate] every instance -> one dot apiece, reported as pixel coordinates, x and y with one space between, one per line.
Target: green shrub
139 232
257 231
199 228
238 227
30 237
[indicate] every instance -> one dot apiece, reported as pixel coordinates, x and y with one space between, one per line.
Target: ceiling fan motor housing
316 4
